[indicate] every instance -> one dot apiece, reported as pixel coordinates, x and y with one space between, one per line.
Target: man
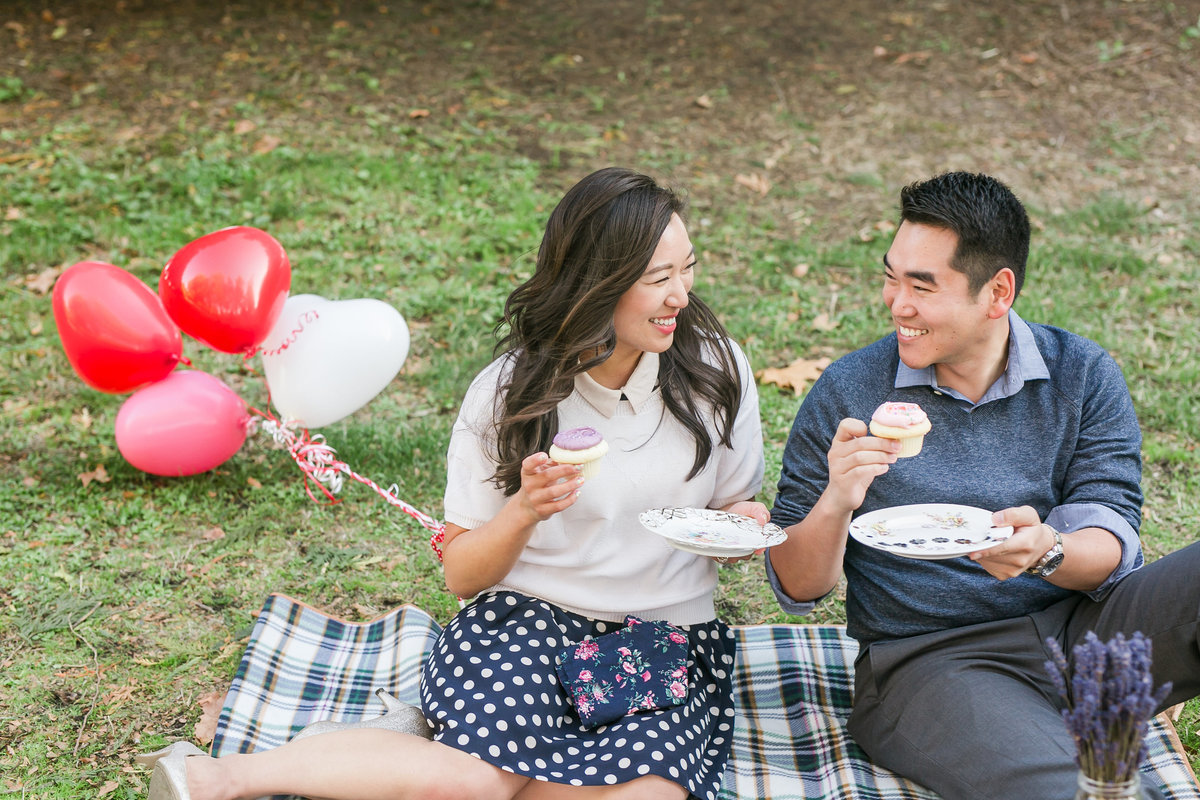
1030 422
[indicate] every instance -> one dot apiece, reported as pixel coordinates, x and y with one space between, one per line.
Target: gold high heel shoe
398 716
169 779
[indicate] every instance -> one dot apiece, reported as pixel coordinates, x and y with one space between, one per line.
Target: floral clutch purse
640 667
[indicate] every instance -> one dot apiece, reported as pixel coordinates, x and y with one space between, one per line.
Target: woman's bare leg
362 764
650 787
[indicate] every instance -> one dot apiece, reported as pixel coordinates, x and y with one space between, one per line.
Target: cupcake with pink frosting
582 446
905 422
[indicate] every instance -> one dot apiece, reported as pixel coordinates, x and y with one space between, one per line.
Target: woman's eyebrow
691 256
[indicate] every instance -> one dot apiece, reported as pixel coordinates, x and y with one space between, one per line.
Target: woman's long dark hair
597 244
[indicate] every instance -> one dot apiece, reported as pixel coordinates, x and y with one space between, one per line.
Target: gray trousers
970 712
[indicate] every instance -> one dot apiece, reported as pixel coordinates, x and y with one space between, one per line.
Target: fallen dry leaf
868 233
266 144
782 150
822 322
12 212
795 375
128 134
253 483
703 101
210 705
418 113
800 270
42 282
108 788
121 694
244 126
99 475
213 534
754 182
919 57
83 420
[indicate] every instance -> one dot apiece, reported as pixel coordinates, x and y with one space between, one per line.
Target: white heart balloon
325 359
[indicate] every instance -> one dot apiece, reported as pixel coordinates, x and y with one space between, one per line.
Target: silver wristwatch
1051 561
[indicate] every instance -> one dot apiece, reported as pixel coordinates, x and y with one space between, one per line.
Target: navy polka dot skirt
489 688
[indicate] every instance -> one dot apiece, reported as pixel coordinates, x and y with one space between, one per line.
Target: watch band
1051 561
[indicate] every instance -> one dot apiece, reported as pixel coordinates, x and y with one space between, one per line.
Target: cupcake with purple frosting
582 446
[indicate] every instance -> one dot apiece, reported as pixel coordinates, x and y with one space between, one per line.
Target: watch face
1051 565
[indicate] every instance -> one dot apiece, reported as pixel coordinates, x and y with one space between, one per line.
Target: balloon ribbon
320 465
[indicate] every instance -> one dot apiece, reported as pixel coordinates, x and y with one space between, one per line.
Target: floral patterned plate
929 531
709 532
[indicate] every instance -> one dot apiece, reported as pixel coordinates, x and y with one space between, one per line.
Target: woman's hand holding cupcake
582 446
548 487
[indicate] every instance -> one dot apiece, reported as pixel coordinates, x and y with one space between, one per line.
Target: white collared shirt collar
637 390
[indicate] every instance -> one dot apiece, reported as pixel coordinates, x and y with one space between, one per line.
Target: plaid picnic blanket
793 691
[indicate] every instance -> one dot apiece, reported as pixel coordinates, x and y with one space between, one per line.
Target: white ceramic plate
929 531
708 532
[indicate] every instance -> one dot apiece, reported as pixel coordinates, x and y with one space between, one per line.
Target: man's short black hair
990 222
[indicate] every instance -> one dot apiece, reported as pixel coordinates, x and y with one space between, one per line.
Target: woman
606 334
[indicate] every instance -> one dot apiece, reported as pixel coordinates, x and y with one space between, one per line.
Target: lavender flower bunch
1109 702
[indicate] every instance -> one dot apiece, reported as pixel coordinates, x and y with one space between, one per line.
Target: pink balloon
187 423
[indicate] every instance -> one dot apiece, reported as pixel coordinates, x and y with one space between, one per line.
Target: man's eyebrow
916 274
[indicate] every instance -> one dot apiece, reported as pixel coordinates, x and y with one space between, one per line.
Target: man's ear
1001 292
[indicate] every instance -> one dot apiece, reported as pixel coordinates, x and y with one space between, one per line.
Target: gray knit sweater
1057 432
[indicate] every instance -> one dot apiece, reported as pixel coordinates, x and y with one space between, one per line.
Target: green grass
126 599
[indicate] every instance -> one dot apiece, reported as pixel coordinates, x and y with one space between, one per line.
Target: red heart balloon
227 288
113 328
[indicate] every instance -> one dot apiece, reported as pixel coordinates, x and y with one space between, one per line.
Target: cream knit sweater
595 558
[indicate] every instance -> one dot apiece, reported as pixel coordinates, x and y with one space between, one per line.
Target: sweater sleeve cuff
786 604
1075 516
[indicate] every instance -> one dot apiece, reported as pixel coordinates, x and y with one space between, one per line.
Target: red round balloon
113 328
227 288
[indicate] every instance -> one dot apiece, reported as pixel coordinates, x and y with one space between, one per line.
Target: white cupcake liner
910 445
589 468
